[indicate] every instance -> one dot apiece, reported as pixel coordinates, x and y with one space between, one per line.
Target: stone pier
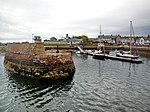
32 60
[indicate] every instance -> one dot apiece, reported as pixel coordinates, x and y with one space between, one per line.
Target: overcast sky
19 19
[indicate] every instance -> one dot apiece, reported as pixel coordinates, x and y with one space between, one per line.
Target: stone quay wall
32 60
2 49
27 48
142 50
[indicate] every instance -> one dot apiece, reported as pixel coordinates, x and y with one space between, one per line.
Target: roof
74 40
108 36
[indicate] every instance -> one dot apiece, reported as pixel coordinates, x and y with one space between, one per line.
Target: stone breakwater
32 60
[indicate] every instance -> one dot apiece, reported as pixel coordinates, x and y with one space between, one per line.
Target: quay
104 55
142 50
31 59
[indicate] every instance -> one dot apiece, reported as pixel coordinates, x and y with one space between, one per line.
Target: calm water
97 86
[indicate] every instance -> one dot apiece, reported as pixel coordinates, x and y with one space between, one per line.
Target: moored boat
113 55
125 55
98 54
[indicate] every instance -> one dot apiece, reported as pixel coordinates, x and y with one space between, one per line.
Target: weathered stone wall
23 53
32 60
27 48
2 49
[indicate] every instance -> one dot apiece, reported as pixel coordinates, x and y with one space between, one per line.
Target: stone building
138 40
114 39
53 39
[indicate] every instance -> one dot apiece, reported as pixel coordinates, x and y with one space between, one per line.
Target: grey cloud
39 14
117 21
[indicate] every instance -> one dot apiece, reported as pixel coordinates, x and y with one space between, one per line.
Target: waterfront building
125 40
138 40
142 40
113 39
74 41
50 42
53 39
37 39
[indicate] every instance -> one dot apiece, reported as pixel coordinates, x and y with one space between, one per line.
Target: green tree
84 39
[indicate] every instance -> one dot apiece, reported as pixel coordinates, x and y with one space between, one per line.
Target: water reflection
97 86
82 56
35 93
129 70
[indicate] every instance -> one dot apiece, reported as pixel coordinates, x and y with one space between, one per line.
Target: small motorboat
126 55
98 54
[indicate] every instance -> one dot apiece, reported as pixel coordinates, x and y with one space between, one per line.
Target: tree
84 38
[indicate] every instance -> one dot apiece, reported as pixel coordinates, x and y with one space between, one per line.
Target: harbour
97 85
142 50
96 58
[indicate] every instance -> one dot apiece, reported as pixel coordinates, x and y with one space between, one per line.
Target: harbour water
97 86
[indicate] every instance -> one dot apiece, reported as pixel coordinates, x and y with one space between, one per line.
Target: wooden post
57 50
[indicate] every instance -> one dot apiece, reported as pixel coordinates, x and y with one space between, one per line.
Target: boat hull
131 60
99 56
127 56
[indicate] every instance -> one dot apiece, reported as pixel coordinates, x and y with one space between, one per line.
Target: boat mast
132 29
130 36
131 33
100 30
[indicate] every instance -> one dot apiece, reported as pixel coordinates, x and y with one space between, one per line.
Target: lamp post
32 38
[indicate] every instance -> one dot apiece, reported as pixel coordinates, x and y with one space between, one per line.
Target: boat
113 55
98 54
90 52
79 52
126 55
131 60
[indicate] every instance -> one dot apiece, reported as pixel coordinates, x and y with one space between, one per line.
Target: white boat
113 55
98 54
125 55
89 52
78 52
